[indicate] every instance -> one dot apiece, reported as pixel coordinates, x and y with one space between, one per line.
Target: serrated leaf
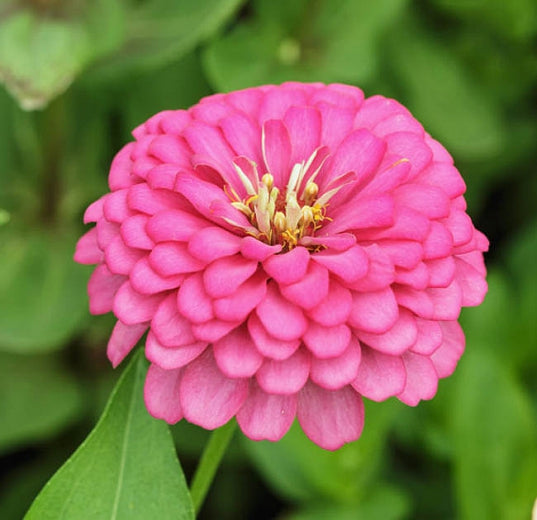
42 291
39 397
127 468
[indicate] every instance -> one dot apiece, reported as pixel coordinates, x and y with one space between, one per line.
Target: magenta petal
192 300
287 376
397 339
122 341
379 375
330 418
417 278
174 225
243 135
445 357
254 249
266 416
170 149
439 242
288 268
335 308
304 127
106 232
161 394
146 281
281 318
208 398
267 345
349 265
327 342
212 243
276 148
335 373
224 276
421 379
172 258
236 355
311 290
374 311
412 147
441 271
172 357
171 328
428 200
131 307
102 289
87 249
244 300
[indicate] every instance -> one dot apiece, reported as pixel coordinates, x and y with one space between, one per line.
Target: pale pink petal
379 375
172 258
172 357
421 379
335 308
266 344
161 394
288 268
236 354
335 373
375 311
265 416
281 318
445 357
171 328
131 307
224 276
146 281
330 418
311 290
276 151
208 398
327 342
192 300
349 265
87 249
212 243
287 376
122 341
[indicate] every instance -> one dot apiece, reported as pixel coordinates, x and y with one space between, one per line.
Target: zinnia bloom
289 249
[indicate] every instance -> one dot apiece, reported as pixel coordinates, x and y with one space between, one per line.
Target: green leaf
127 468
495 440
42 291
161 31
39 398
444 96
324 41
41 53
301 471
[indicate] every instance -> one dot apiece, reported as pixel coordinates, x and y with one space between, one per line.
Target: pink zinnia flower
290 249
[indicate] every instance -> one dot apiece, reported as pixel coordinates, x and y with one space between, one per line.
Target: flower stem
209 462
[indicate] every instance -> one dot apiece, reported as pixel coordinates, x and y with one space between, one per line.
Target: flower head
289 249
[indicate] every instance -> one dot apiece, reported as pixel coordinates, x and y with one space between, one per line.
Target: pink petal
170 328
162 176
410 146
418 302
161 394
172 258
266 416
281 318
460 226
311 290
213 330
192 300
441 271
287 376
408 224
102 289
439 242
236 355
429 337
327 342
330 418
338 242
170 149
304 127
336 124
447 301
224 276
445 358
134 234
288 268
172 357
146 200
335 373
417 278
208 398
131 307
120 258
428 200
243 135
276 147
335 308
94 211
267 345
276 102
380 273
254 249
115 207
379 375
445 176
87 249
398 339
106 232
472 283
421 379
212 243
349 265
146 281
374 311
174 225
122 341
402 253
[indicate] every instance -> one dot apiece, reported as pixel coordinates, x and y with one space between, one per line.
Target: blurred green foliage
468 71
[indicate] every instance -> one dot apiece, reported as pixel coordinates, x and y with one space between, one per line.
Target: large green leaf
42 291
39 397
127 468
323 41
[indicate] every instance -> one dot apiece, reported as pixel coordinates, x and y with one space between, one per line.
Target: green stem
210 460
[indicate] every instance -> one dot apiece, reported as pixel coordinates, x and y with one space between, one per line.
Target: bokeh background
79 75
